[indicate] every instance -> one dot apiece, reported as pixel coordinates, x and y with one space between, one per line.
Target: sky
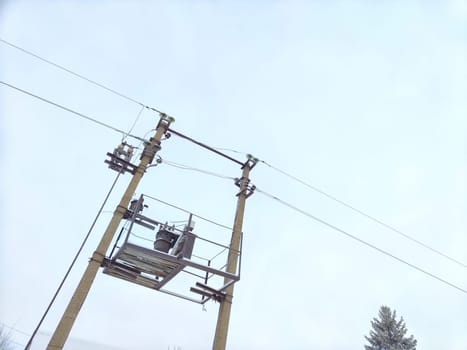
362 100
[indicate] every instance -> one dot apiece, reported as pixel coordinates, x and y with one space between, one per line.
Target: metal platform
142 266
172 254
154 269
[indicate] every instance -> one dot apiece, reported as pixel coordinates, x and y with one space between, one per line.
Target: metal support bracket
249 189
150 151
209 292
120 165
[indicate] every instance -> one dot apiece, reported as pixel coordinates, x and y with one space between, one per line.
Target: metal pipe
205 146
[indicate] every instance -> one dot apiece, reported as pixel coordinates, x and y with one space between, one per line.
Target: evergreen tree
5 342
388 333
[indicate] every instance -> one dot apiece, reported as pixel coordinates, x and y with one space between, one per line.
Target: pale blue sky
365 100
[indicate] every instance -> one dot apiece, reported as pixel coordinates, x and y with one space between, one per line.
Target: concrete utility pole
222 327
69 316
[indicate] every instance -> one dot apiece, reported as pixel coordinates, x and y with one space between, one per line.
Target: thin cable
209 148
185 167
218 148
72 263
392 228
71 111
366 215
186 211
200 257
134 124
141 237
360 240
78 75
215 256
230 150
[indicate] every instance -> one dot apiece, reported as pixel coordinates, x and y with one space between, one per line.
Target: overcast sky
364 100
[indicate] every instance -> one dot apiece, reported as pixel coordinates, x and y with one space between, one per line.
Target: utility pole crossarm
79 296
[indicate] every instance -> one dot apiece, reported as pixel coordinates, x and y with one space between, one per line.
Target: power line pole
222 327
69 316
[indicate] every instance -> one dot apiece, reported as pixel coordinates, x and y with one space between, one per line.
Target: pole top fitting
167 118
252 158
251 161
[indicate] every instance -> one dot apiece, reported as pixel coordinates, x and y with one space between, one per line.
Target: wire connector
248 188
251 161
252 158
150 150
166 117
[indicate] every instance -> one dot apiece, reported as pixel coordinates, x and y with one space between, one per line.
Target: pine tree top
388 333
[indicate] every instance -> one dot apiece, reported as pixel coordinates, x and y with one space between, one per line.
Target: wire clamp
251 161
248 189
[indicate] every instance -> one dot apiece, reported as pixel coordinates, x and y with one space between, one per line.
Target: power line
199 143
185 167
361 212
301 211
181 166
78 75
134 123
186 211
230 150
393 229
28 345
335 228
72 111
203 145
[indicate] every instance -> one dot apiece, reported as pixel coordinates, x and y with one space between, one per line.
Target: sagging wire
349 235
133 125
186 211
356 210
28 345
186 167
78 75
81 115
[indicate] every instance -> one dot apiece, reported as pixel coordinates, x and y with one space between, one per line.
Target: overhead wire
28 345
124 136
356 210
133 125
78 75
203 145
210 173
349 235
28 52
215 256
141 237
370 217
185 167
71 111
230 150
186 211
380 250
391 228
